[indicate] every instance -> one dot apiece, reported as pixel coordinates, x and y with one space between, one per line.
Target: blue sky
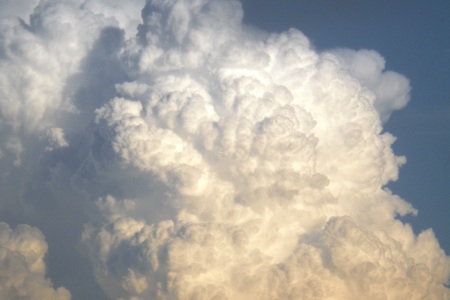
413 37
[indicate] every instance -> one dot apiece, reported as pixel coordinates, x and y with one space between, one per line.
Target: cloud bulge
168 151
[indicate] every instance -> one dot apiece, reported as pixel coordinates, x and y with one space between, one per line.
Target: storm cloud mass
165 150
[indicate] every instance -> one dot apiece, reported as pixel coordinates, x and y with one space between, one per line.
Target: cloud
176 154
56 138
391 89
207 261
22 265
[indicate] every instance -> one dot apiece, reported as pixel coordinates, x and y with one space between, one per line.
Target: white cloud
207 260
22 265
256 166
391 89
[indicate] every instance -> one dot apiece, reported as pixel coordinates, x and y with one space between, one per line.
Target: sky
213 149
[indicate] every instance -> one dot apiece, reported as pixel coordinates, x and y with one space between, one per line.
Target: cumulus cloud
223 261
390 88
193 159
22 266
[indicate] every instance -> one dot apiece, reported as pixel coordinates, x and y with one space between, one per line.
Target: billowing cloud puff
22 266
198 159
223 261
390 88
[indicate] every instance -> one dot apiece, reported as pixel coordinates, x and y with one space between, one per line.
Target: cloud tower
172 152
